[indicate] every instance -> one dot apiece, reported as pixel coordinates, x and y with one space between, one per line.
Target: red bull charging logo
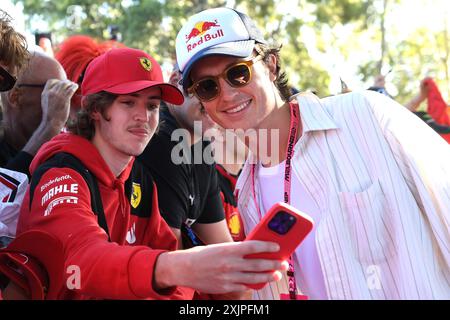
200 30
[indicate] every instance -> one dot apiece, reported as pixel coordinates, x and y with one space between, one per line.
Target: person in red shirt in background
437 108
128 258
227 184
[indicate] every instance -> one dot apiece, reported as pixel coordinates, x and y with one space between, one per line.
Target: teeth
238 108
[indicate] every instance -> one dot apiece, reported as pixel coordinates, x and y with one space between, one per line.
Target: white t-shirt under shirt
308 273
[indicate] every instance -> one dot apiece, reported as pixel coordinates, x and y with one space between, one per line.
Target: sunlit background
324 42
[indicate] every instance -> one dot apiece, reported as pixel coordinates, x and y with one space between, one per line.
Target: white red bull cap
215 31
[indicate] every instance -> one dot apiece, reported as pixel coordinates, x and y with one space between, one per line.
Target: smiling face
243 107
130 123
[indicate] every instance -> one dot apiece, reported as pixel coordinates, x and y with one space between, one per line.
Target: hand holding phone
284 225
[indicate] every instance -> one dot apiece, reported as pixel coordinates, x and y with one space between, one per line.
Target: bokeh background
324 42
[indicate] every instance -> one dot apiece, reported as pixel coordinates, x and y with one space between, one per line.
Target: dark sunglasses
7 81
237 75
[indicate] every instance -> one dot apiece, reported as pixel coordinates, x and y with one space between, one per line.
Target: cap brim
170 93
239 49
48 250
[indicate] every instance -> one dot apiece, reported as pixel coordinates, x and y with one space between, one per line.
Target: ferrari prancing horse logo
136 195
146 63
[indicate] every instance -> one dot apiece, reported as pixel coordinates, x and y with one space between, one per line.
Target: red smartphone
284 225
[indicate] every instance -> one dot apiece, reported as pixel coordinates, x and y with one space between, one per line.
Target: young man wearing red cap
123 252
375 178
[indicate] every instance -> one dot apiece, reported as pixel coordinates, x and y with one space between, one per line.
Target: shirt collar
314 115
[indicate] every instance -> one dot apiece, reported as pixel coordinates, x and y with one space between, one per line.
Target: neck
232 168
117 161
182 124
14 135
271 144
194 138
231 158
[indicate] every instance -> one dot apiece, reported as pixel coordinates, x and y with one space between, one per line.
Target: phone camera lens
282 222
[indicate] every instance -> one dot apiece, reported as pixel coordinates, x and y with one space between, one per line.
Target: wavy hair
13 45
281 82
83 125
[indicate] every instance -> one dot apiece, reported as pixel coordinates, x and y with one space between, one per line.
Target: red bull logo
200 30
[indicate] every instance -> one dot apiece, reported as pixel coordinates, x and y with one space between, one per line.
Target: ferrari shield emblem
136 195
146 63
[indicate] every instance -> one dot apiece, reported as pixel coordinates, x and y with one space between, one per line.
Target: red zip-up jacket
120 269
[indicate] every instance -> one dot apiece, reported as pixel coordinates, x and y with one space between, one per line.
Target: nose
227 92
142 113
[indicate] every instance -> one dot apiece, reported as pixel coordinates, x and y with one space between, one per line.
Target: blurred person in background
35 109
437 114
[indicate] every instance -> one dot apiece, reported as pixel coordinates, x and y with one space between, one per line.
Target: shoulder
355 101
58 187
57 177
364 105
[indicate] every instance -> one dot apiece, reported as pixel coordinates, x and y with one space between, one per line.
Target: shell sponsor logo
234 224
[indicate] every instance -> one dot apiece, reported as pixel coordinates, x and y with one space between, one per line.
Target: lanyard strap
293 133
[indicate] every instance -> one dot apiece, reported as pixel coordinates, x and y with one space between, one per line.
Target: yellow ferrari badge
136 195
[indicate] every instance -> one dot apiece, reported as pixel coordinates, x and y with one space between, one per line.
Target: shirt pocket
368 218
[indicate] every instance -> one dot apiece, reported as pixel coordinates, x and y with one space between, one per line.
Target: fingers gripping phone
284 225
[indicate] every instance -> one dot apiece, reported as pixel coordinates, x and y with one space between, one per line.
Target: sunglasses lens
207 89
239 75
7 81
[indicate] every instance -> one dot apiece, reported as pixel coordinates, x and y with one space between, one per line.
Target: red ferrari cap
127 70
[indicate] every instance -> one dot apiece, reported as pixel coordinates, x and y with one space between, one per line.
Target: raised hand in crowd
55 102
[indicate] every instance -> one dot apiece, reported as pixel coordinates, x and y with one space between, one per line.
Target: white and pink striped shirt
381 179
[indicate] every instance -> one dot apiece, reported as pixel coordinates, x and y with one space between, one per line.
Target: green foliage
152 25
334 12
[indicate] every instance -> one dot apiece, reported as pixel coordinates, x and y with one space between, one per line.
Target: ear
13 96
96 115
175 77
272 66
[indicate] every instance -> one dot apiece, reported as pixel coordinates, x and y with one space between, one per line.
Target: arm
218 233
213 232
219 268
211 226
177 233
415 102
423 158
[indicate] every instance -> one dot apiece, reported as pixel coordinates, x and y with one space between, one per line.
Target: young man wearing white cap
114 242
375 179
